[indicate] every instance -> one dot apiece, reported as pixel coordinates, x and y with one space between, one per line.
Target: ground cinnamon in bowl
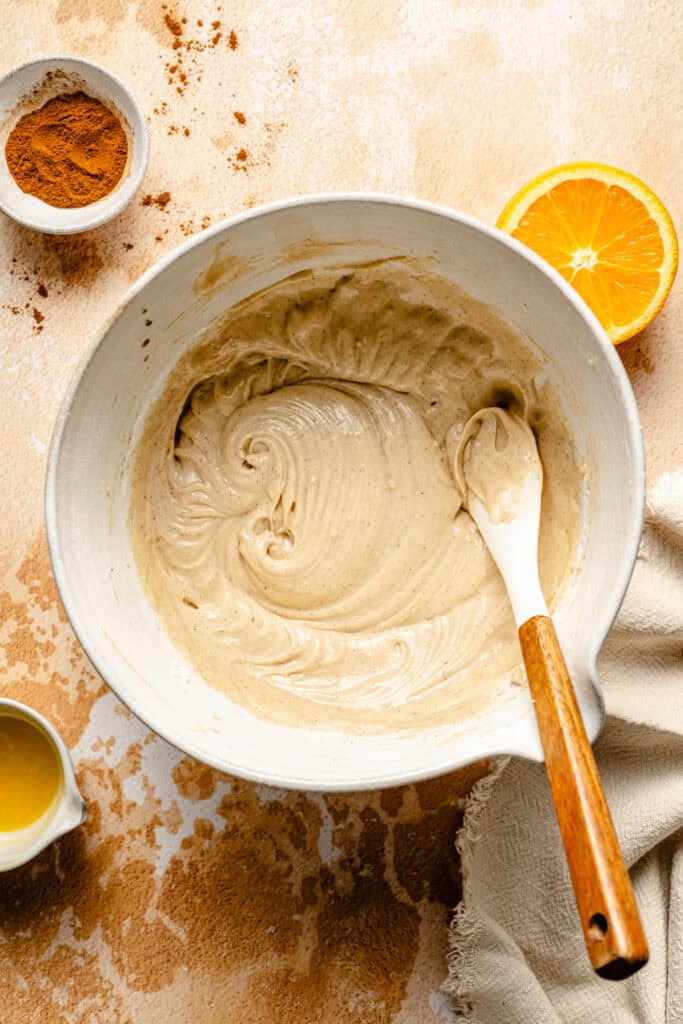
70 152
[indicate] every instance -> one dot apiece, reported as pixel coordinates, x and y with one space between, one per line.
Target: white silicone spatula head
499 473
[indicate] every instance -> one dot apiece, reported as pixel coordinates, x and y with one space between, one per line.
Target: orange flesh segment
603 240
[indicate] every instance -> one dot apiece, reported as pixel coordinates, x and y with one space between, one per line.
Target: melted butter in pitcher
30 773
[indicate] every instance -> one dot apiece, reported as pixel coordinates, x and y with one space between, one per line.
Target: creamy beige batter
294 517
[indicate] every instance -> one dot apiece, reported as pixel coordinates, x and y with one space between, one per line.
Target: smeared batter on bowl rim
294 517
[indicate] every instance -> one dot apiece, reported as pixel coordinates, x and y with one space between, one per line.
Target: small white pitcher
66 811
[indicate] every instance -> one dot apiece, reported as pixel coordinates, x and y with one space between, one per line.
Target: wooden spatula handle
609 917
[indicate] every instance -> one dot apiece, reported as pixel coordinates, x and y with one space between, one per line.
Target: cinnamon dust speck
189 228
173 25
232 40
239 117
161 200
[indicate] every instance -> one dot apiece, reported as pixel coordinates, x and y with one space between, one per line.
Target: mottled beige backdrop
190 896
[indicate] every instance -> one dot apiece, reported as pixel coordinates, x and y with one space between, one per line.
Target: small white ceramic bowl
87 494
28 88
66 811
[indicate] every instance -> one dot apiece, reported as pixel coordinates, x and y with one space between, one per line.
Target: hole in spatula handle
597 927
620 967
617 970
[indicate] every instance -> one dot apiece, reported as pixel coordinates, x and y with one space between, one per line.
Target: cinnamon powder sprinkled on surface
173 25
239 117
161 200
189 227
186 44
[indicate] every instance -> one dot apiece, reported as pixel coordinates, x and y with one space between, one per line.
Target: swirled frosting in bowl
293 514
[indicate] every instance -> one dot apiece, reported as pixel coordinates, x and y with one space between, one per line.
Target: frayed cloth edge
465 922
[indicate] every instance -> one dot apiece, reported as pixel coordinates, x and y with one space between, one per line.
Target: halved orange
607 233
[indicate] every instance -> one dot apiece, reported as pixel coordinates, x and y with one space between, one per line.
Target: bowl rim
139 142
89 638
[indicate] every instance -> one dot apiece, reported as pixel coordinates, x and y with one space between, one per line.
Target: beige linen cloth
517 953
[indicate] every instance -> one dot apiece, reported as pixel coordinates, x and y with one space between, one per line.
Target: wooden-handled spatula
609 917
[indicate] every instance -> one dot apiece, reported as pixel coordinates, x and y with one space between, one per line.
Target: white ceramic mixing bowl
88 479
